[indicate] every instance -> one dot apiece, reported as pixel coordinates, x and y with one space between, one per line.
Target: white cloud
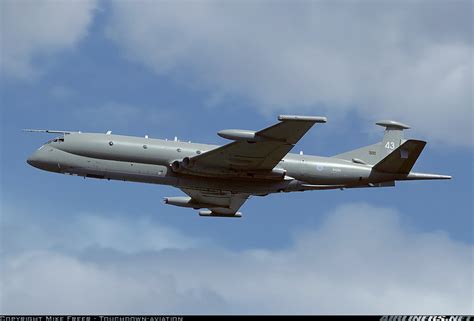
124 233
361 260
33 28
56 283
411 61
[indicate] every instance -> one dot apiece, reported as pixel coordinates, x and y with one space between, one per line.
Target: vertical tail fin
393 135
402 159
372 154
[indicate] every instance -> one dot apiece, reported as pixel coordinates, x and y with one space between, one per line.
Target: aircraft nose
40 160
34 159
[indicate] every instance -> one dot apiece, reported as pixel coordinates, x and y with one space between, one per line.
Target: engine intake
186 162
175 166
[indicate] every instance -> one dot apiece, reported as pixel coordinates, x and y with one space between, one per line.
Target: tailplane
373 154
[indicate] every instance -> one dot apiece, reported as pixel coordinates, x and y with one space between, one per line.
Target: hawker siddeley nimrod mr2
219 179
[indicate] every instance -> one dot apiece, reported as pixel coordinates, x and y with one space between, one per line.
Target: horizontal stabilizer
425 176
401 159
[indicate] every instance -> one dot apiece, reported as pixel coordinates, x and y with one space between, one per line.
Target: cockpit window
56 140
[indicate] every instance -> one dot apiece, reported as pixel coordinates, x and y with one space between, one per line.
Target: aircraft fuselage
222 178
147 160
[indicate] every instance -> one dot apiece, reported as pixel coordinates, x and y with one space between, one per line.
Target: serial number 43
390 145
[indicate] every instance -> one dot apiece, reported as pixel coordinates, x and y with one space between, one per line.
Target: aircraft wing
220 203
254 151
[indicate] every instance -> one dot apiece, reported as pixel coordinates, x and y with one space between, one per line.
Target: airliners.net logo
426 318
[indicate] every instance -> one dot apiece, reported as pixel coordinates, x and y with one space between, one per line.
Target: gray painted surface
222 178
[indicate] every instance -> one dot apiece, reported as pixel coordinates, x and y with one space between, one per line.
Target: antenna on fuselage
108 132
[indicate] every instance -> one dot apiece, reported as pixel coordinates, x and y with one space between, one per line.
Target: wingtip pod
209 213
316 119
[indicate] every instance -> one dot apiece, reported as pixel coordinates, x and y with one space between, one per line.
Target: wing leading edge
251 151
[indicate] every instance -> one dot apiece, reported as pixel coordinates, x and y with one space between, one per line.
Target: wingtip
316 119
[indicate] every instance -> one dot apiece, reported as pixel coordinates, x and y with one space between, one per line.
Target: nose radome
45 159
34 159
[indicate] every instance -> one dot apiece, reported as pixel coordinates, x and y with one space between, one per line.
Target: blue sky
191 69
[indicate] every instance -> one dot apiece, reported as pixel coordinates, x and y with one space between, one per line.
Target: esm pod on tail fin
219 179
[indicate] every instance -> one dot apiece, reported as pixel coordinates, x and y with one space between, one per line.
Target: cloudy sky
190 69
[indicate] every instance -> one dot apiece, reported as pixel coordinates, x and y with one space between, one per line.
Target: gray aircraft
219 179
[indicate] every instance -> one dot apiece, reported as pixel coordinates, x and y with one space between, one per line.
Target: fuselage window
111 143
145 146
